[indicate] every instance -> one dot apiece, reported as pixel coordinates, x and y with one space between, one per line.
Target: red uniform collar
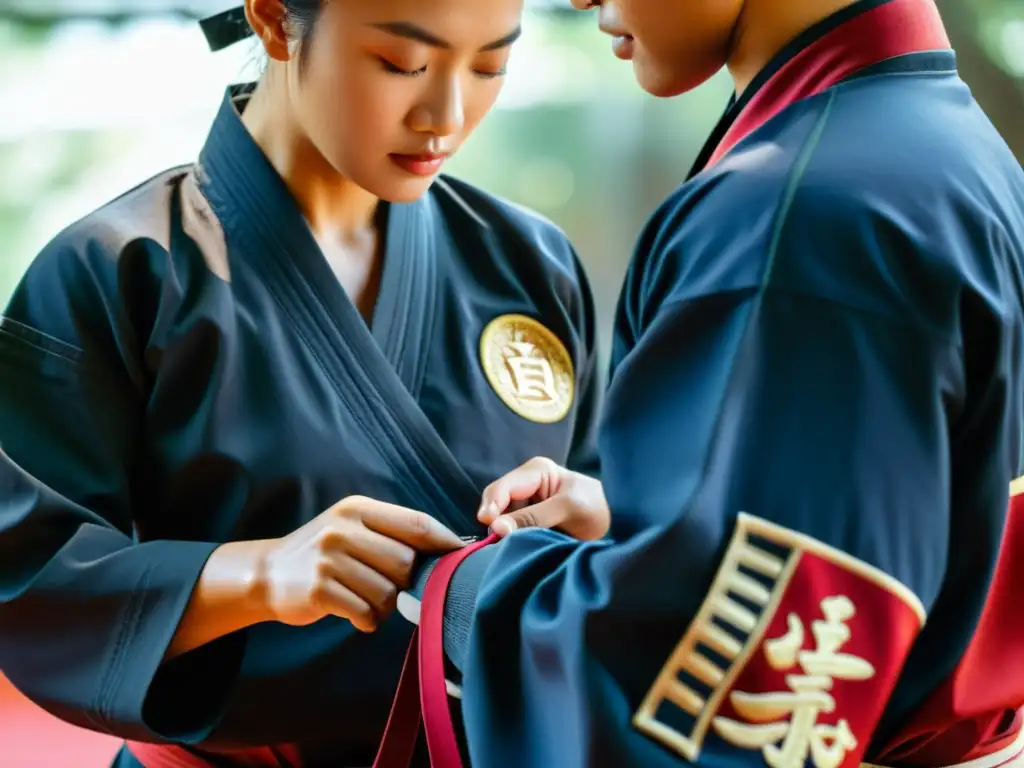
864 34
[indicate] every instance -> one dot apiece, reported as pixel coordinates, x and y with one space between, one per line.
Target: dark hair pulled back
301 17
230 27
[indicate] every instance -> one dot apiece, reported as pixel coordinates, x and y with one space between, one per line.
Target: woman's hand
350 561
541 494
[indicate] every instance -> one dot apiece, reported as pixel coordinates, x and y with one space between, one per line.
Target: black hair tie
226 28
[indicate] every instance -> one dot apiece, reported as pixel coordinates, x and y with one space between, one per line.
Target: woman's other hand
542 494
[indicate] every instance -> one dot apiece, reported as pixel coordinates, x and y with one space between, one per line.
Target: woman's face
675 45
388 88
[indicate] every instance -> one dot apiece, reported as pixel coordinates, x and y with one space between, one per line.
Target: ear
267 19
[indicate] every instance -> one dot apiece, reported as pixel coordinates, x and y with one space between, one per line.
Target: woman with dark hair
309 318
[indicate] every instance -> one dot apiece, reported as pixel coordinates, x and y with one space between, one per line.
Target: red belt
171 756
423 674
422 696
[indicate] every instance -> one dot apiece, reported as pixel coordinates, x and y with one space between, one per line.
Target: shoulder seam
800 167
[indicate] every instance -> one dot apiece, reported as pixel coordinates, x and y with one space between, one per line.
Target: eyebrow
411 31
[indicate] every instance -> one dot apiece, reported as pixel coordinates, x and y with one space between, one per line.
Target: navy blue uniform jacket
182 368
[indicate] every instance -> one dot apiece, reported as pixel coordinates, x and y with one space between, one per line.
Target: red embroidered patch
793 654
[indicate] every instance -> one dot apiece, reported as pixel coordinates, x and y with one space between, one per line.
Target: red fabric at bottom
169 756
428 678
30 737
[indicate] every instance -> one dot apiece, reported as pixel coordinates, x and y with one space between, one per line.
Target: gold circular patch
528 367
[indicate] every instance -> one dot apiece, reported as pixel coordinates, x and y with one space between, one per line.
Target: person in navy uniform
237 400
811 436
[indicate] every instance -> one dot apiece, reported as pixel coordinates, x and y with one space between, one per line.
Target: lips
622 41
424 164
622 47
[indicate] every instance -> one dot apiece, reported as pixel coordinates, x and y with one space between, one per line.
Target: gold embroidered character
532 376
788 743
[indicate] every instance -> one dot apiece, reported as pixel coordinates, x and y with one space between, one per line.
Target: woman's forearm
229 596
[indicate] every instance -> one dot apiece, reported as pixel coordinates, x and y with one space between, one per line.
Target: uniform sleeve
86 613
778 467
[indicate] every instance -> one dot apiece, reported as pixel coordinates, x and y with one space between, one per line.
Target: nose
442 111
608 20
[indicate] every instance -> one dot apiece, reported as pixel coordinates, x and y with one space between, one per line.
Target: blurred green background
97 95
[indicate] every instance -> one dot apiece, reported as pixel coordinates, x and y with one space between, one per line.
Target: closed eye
396 70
